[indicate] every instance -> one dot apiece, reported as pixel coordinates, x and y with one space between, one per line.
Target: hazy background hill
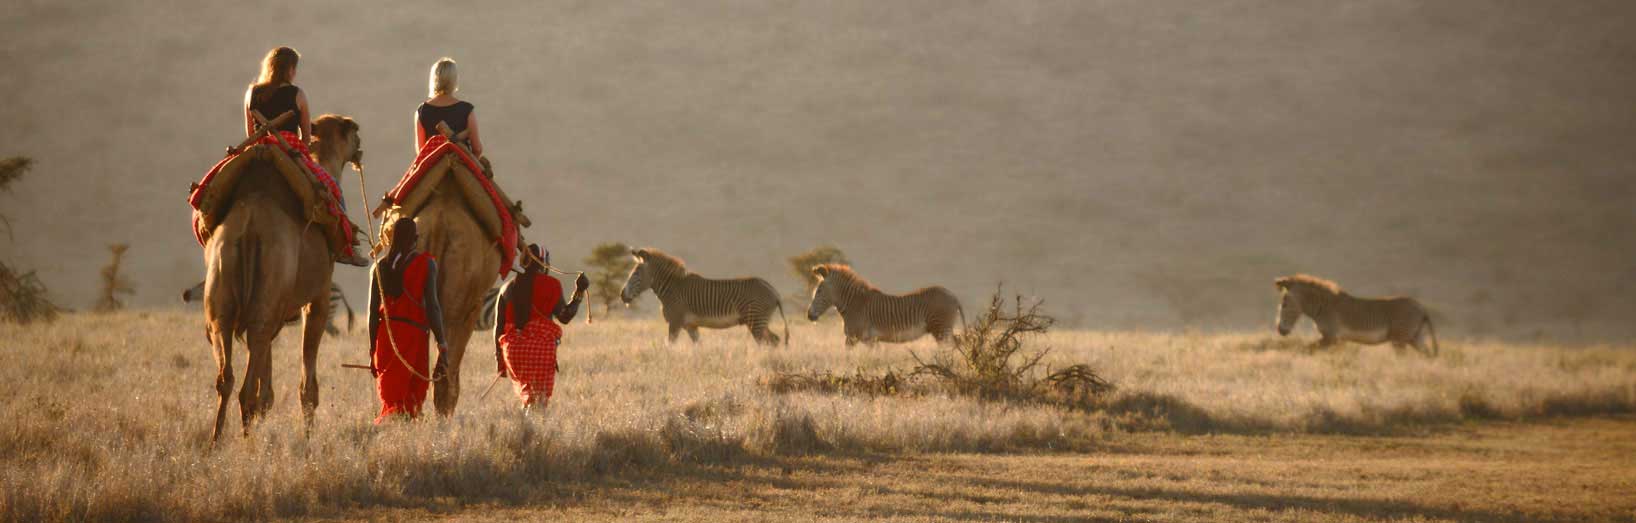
1136 164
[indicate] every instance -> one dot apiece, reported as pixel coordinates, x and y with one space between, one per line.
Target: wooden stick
356 366
489 388
263 128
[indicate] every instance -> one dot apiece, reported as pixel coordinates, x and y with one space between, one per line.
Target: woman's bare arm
471 134
420 133
306 116
249 121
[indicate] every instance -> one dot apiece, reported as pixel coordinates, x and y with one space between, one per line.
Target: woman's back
272 101
455 116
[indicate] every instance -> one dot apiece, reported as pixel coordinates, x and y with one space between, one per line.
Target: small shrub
23 298
989 360
801 264
608 265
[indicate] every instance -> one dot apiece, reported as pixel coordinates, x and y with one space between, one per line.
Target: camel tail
247 251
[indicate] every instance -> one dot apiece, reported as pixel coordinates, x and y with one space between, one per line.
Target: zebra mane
663 264
1307 282
848 277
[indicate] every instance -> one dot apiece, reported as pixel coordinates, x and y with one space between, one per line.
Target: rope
554 269
391 340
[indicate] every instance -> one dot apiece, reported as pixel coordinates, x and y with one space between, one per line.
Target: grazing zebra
1341 316
337 302
689 301
872 316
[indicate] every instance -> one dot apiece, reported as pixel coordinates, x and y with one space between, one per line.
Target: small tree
801 264
23 297
607 267
113 283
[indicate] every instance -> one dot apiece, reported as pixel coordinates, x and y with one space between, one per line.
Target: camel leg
223 343
446 391
314 323
256 395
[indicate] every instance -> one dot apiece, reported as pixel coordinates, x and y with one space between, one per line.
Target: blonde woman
443 107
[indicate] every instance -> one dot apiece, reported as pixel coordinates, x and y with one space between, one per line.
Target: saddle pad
212 196
441 163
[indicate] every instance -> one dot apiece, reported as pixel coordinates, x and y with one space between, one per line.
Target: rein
391 340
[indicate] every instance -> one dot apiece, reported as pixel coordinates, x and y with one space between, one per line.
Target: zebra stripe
690 301
871 316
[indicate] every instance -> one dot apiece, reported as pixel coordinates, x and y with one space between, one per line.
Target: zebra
872 316
689 301
337 302
1341 316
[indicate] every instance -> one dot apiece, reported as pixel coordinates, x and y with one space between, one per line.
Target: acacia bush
607 267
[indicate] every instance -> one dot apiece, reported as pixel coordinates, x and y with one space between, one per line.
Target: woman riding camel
275 93
403 295
525 338
444 108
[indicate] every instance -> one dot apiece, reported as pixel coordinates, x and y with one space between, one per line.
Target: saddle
212 197
444 164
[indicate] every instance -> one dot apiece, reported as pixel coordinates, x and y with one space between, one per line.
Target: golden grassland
108 418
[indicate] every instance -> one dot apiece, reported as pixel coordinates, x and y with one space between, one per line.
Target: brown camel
263 264
467 267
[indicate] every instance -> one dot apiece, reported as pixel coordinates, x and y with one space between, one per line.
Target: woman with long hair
275 93
403 299
525 338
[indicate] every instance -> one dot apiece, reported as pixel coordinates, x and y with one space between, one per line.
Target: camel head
337 141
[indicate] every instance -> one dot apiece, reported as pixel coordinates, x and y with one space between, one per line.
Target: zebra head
1289 308
822 294
638 281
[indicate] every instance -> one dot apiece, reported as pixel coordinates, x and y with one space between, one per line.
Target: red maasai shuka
301 154
438 146
531 353
402 339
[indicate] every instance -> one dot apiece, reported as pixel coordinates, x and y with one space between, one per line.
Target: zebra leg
675 330
693 332
1419 342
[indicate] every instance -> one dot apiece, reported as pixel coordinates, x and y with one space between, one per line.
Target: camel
467 269
263 264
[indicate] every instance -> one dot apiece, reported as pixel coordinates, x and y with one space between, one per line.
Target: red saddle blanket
296 150
435 150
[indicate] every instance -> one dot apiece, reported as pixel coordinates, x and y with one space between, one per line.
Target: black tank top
455 116
274 101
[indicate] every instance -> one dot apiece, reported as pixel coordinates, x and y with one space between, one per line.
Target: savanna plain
107 417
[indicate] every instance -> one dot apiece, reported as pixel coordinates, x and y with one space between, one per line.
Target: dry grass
108 415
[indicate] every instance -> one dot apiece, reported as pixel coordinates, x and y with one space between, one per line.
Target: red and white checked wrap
531 358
